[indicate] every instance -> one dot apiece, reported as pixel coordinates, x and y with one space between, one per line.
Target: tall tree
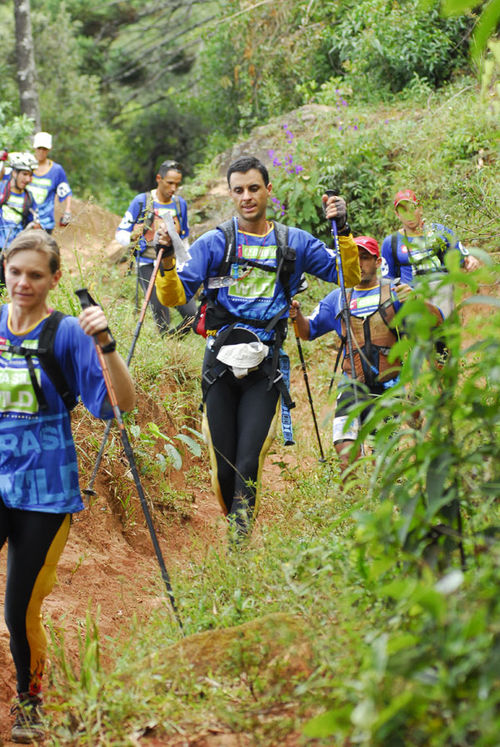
25 59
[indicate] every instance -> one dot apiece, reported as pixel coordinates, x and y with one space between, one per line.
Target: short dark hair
244 164
169 166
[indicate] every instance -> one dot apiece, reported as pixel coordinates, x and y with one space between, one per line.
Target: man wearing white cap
49 180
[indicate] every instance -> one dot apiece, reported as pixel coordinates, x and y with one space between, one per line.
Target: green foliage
452 460
381 46
15 131
367 155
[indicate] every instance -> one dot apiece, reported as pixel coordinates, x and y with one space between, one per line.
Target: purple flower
298 169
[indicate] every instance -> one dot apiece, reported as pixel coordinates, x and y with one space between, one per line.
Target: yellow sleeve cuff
169 288
350 261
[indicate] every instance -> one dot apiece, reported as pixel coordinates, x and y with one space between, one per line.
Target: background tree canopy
123 85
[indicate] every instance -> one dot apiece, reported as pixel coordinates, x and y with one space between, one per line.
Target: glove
343 228
4 154
65 219
168 251
341 218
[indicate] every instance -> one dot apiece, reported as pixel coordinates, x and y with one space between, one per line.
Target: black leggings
240 418
35 543
161 313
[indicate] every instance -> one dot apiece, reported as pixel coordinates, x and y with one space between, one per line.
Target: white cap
42 140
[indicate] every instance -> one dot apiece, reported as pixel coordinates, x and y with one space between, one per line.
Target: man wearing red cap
417 249
372 307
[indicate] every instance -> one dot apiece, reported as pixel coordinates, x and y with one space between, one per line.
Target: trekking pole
89 490
345 310
85 301
137 284
306 381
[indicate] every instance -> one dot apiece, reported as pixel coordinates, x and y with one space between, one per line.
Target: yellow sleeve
350 261
169 288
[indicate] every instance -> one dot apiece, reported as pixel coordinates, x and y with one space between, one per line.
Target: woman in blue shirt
38 470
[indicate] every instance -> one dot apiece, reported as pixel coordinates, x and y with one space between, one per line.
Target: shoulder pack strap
5 194
229 228
48 361
385 287
285 259
395 258
27 204
177 207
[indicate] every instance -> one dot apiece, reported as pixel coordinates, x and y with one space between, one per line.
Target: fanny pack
241 350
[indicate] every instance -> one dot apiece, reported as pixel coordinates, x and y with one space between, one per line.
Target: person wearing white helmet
49 180
18 209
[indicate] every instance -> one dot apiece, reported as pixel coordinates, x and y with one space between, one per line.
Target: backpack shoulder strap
5 194
177 206
27 204
48 361
285 258
229 229
395 258
386 302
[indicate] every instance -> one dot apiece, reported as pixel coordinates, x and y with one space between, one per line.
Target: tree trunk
26 69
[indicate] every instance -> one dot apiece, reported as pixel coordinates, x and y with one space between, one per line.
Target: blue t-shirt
135 215
423 255
326 316
45 188
11 213
38 466
254 293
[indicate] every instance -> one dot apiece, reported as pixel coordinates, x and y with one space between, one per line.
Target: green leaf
436 477
485 28
323 725
192 445
174 456
458 7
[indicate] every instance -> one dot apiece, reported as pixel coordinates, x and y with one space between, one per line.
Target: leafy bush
380 46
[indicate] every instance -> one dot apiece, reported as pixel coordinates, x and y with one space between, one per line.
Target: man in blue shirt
49 180
372 307
139 225
417 249
250 276
18 209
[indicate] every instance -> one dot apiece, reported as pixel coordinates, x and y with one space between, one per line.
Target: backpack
211 316
395 258
372 355
27 203
48 361
148 214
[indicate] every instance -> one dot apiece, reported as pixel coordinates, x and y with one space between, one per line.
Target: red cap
366 242
405 194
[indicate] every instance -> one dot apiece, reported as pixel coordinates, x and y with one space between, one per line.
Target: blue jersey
135 216
38 466
44 190
424 254
12 219
253 293
364 302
